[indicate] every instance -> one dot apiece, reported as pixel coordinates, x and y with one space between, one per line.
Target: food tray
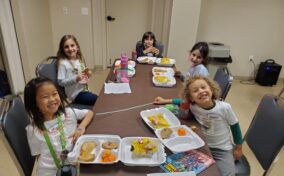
130 63
178 143
171 63
99 139
146 60
167 114
163 71
171 81
127 157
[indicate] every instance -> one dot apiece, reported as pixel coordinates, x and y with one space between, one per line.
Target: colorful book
192 160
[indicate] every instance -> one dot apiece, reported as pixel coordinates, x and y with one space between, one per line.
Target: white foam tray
99 139
129 159
130 63
178 143
151 60
172 62
163 71
168 115
171 83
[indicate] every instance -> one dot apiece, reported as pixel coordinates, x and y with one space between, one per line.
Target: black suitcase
268 73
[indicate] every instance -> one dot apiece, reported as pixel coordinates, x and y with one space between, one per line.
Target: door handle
110 18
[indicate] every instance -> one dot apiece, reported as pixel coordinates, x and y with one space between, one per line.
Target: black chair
265 136
159 46
224 78
48 69
14 120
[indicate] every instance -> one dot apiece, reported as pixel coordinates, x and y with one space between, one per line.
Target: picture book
192 160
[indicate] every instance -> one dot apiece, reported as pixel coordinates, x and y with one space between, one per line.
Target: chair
224 78
159 46
14 120
48 69
265 136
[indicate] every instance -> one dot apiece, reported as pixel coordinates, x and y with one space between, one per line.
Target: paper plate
163 71
164 81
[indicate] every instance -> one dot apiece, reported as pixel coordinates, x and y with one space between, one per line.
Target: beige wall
34 33
249 27
183 30
72 21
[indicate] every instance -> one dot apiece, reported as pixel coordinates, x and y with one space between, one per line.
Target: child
72 73
198 57
149 46
53 126
217 119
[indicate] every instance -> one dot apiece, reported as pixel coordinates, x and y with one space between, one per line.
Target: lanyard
62 138
86 88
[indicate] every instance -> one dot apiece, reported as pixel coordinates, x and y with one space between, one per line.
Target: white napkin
191 173
117 88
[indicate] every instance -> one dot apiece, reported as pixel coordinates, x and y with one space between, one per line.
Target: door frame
99 28
10 49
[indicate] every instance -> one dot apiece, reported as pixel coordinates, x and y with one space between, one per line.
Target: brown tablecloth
129 123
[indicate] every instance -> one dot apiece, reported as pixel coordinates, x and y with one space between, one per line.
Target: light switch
65 10
84 10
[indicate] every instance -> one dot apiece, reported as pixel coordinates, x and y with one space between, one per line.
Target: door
127 20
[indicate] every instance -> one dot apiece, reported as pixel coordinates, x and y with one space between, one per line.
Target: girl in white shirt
72 72
54 128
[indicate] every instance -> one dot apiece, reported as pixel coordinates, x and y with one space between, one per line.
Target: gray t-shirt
215 124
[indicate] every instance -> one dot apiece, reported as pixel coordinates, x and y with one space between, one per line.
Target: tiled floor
243 98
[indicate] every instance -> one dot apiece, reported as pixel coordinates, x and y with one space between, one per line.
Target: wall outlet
251 58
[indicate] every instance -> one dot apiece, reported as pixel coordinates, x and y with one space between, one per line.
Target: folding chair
48 69
265 136
224 78
14 120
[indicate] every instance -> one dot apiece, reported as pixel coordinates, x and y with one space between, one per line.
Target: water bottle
124 68
184 110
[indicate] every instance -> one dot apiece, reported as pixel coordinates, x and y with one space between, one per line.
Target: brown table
129 123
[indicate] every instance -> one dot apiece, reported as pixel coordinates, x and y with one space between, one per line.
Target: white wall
183 30
73 21
249 27
33 28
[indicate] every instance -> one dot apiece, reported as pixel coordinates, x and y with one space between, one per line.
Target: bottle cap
170 107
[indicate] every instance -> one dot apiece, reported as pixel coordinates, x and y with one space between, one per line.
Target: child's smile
48 100
201 93
70 49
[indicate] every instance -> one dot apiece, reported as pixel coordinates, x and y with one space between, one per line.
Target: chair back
265 136
47 69
224 79
13 123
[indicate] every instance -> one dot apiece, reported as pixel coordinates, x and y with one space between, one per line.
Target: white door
128 20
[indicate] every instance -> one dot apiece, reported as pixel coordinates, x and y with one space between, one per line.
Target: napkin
117 88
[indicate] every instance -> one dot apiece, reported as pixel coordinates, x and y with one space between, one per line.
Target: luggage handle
270 61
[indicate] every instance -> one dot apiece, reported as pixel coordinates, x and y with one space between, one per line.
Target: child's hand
77 133
160 100
81 76
237 153
155 51
87 72
148 50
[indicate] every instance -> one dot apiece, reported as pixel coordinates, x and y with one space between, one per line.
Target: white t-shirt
38 146
199 69
215 124
66 77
